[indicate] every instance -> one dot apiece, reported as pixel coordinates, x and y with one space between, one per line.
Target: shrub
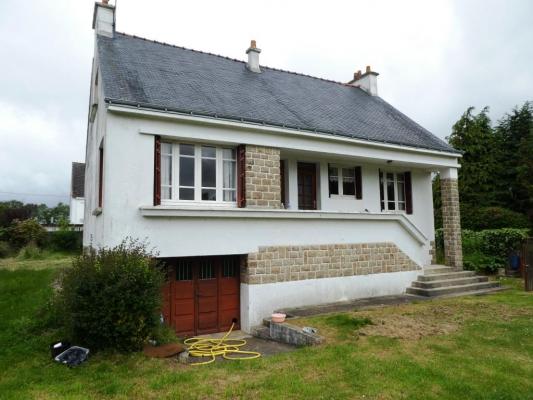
65 240
30 252
486 250
112 298
5 249
22 233
492 218
501 242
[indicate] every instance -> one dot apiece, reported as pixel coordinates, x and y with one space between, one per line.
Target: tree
474 135
515 136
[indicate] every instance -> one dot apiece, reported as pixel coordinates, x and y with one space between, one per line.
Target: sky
435 59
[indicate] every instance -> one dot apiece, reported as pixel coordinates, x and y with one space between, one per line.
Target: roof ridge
236 60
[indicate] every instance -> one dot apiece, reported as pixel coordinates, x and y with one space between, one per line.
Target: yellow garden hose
208 347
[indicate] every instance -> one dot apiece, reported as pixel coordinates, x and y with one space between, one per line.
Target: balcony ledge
251 213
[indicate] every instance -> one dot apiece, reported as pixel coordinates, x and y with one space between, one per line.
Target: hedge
488 249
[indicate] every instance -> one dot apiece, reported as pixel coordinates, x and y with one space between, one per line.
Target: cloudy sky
435 58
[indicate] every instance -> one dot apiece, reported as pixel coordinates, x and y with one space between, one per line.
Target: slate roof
77 180
138 71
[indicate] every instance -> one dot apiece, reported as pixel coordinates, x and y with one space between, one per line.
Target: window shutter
101 177
241 176
157 170
358 183
282 181
408 193
381 193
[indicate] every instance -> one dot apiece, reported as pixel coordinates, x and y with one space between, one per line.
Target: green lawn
475 348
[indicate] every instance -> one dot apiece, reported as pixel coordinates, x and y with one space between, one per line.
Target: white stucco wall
77 209
259 301
128 185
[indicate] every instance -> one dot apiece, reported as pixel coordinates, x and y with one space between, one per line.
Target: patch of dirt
413 323
406 327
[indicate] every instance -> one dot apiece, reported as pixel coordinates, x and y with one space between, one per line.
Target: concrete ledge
232 212
294 335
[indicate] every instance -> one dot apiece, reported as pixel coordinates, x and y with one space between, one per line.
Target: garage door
201 294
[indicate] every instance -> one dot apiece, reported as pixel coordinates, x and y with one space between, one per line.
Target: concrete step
440 291
447 275
449 282
261 332
437 269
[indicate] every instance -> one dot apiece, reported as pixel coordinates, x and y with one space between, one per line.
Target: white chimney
253 57
367 81
104 18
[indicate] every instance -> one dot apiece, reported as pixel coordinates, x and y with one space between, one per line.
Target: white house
261 188
77 196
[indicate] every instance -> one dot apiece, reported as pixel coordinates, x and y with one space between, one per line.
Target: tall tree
515 136
474 136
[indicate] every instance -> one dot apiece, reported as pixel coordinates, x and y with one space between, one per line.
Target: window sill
185 204
166 211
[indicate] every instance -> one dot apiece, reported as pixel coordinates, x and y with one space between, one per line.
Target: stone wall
263 183
292 263
451 222
433 252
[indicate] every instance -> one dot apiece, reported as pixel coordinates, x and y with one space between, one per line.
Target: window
345 181
191 172
392 191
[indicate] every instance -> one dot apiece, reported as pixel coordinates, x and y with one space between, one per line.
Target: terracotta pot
278 318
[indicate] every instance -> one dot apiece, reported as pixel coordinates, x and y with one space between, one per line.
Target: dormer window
198 173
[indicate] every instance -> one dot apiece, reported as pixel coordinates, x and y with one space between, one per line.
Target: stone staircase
439 280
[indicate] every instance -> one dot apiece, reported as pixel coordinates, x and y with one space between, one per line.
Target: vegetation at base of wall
486 250
496 174
111 299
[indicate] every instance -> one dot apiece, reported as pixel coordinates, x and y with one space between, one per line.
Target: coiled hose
208 347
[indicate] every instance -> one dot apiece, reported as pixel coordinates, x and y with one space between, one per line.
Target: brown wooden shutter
408 193
282 180
381 193
101 178
358 183
241 176
157 170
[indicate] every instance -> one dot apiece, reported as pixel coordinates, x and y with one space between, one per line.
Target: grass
468 348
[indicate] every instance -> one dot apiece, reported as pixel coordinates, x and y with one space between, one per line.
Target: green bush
5 249
28 231
486 250
112 298
65 240
475 218
501 242
30 252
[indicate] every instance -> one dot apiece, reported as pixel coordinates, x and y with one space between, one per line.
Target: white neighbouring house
261 188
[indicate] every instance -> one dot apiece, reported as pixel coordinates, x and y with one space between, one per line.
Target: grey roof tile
77 180
158 75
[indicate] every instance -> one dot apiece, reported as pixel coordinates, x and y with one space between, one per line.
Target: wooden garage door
201 294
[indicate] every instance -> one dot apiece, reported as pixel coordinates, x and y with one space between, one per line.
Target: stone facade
433 252
451 221
263 182
292 263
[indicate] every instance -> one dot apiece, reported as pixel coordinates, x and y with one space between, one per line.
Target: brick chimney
253 57
367 81
104 18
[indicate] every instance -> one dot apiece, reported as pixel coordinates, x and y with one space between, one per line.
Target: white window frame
385 194
174 200
340 181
